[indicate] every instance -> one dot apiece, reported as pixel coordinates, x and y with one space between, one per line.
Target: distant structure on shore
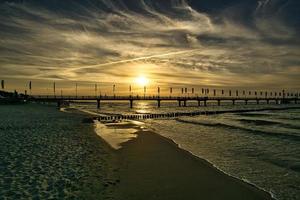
12 97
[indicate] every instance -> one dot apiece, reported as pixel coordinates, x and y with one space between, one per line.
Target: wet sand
153 167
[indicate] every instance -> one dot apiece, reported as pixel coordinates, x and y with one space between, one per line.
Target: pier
182 101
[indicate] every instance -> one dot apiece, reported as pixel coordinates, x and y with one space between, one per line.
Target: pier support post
98 103
219 102
131 103
158 103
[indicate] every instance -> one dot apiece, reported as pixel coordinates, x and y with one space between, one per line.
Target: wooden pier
182 101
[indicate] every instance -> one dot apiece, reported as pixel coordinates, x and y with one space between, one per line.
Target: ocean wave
253 114
288 164
290 136
260 122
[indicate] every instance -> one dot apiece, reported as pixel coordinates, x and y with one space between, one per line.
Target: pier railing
182 100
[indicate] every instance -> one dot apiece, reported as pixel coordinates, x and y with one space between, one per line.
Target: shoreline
148 166
252 187
213 166
189 162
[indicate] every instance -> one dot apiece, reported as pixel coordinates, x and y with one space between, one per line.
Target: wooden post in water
158 103
199 103
179 103
184 103
219 102
205 103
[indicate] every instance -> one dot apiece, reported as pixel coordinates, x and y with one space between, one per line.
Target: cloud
183 42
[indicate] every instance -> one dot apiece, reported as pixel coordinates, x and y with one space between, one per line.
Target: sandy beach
62 157
48 154
153 167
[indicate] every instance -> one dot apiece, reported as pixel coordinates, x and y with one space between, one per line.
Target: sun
141 80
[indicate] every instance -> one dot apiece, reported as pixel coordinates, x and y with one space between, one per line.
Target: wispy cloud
103 40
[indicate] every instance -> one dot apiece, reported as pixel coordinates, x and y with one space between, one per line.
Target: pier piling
98 103
131 103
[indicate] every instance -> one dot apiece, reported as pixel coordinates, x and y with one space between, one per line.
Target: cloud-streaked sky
235 43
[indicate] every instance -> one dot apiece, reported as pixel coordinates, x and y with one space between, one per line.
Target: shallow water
260 147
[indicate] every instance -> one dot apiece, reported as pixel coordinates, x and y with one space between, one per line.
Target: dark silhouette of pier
182 101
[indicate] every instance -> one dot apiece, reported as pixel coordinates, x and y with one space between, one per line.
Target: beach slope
153 167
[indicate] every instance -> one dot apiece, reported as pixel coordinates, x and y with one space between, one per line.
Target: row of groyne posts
109 118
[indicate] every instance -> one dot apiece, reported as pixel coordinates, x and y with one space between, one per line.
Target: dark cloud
219 41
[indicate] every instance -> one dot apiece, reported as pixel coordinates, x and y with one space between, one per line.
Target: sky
173 43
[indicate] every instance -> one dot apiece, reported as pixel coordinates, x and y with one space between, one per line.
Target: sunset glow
150 99
142 81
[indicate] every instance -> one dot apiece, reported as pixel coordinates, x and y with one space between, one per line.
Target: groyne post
158 103
205 103
219 102
233 102
246 102
184 103
179 103
199 103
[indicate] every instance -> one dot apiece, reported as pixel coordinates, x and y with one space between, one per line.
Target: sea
258 147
